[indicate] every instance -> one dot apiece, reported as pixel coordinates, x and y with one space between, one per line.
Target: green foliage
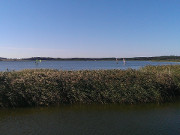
43 87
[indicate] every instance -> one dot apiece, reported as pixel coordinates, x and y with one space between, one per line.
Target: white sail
124 62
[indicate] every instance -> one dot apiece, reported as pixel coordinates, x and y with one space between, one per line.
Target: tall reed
43 87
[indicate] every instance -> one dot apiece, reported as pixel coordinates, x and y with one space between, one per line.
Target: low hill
157 58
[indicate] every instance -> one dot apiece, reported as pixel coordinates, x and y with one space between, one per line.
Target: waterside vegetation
44 87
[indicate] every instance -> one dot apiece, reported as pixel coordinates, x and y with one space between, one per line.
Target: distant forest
158 58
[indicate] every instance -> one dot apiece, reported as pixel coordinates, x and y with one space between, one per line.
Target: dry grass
43 87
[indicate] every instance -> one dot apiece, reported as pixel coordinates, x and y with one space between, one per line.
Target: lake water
77 65
148 119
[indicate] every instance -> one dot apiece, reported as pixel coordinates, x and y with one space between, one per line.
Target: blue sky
89 28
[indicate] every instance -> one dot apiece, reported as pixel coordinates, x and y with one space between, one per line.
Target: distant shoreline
158 58
94 60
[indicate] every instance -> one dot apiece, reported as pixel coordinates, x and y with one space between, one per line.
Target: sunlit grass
43 87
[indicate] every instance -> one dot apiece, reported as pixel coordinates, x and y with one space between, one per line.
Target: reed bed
44 87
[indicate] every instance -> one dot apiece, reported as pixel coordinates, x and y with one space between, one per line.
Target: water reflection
92 119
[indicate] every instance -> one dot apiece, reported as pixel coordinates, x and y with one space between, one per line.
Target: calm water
92 120
77 65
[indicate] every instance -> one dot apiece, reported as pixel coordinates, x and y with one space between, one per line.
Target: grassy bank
50 87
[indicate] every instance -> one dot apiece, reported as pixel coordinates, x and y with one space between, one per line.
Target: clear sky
89 28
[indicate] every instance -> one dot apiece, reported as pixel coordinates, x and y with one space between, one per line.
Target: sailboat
116 61
124 62
38 61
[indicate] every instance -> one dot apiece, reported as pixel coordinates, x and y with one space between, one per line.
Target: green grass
44 87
